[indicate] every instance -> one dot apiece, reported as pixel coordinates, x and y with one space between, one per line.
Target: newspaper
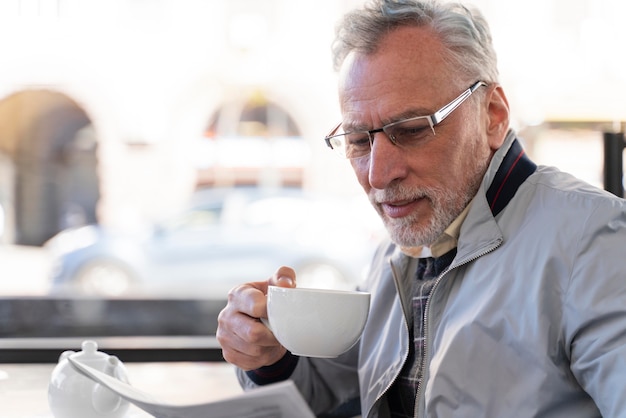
278 400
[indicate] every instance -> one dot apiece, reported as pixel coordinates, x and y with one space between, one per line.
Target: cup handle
266 322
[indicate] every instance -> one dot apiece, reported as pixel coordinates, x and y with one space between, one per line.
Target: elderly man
502 291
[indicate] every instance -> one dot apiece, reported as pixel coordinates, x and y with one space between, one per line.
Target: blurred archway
51 148
254 142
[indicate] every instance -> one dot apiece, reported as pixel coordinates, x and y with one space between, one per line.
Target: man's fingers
246 342
284 277
249 299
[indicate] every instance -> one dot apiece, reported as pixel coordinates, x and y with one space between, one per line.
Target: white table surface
24 387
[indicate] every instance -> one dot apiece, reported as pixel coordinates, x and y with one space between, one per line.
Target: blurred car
225 237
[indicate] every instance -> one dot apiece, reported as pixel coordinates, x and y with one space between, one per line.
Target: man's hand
245 341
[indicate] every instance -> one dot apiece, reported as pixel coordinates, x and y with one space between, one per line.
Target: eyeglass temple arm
443 113
334 130
331 134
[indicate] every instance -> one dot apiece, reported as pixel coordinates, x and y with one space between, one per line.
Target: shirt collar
447 241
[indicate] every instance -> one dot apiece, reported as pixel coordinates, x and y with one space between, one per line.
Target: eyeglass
403 133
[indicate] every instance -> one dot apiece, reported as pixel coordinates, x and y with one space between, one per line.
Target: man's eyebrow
410 113
354 127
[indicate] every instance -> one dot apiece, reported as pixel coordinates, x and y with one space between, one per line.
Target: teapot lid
90 352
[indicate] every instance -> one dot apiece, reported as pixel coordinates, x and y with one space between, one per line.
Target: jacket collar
509 168
513 170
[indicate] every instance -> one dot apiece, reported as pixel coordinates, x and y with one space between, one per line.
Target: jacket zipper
406 326
420 385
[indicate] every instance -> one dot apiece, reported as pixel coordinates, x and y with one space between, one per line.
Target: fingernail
288 281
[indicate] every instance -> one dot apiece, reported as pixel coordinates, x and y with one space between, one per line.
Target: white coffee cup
316 322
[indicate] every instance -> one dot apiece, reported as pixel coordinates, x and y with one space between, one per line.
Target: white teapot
73 395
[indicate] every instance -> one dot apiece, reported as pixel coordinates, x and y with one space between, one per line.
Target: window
148 154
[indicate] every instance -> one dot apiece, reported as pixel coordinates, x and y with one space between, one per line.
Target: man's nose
387 162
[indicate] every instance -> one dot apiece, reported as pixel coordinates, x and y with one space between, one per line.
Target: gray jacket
528 321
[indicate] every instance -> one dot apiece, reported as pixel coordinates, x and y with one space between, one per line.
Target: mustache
400 194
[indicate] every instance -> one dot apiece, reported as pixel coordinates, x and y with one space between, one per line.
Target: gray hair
463 30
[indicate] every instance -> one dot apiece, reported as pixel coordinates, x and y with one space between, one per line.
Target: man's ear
498 116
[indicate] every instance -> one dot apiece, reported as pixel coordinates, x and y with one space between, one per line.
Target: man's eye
357 141
411 133
411 130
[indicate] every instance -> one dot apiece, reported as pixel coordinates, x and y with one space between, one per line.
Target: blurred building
115 111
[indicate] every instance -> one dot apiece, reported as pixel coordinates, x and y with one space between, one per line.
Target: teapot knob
89 346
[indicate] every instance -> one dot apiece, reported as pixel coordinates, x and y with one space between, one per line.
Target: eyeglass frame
433 119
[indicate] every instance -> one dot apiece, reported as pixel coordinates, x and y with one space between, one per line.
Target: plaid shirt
401 396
